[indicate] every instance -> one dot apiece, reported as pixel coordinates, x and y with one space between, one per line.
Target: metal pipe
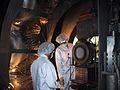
102 33
30 4
111 82
105 62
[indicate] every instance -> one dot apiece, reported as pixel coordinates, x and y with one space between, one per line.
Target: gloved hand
61 81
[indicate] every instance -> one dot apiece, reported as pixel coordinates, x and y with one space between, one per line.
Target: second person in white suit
63 57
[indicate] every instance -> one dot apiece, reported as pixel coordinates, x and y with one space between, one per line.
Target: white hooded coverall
43 74
63 57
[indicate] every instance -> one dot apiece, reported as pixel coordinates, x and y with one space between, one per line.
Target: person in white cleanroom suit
63 57
43 72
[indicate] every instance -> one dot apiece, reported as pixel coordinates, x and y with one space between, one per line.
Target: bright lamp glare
75 40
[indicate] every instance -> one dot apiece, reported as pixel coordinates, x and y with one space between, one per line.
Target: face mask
64 45
51 55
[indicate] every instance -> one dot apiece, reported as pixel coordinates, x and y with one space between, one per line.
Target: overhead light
10 85
17 22
13 70
43 20
75 40
36 29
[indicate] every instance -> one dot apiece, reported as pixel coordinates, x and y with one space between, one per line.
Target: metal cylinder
30 4
110 81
